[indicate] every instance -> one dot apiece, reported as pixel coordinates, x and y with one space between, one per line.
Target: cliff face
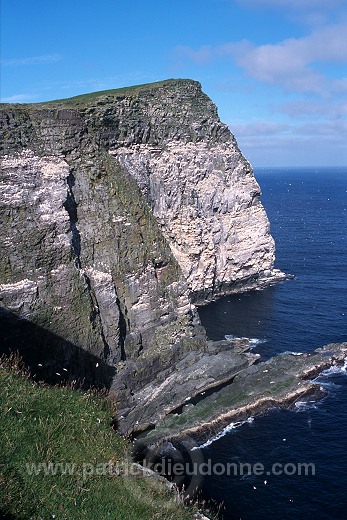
118 210
201 191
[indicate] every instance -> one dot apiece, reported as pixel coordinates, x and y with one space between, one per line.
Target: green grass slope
123 91
61 459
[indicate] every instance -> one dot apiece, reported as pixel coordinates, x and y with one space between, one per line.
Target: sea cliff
122 210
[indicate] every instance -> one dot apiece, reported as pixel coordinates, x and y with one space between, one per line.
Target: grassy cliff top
123 91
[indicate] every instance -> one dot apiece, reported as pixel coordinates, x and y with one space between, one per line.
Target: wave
335 370
224 432
327 385
253 342
340 370
303 406
323 378
324 385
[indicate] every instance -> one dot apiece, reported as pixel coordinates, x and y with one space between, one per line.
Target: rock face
119 210
206 200
202 192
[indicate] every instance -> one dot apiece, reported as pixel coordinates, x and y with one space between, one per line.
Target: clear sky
277 69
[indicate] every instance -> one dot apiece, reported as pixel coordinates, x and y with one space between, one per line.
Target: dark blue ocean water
307 209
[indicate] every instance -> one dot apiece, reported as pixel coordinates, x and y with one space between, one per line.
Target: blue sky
277 69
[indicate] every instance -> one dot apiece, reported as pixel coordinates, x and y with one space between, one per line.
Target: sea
289 464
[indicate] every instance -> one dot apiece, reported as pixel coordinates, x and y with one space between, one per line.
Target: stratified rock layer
119 210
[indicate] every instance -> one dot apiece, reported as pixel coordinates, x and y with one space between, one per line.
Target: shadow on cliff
50 358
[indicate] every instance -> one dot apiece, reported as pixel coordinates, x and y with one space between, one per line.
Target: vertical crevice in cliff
70 206
122 331
214 274
95 317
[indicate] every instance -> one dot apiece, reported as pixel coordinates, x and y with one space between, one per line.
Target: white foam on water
323 378
253 342
256 341
327 385
335 370
332 371
227 429
303 406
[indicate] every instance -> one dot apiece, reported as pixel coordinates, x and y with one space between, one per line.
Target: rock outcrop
282 381
119 211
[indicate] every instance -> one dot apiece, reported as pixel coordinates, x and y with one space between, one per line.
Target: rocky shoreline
281 381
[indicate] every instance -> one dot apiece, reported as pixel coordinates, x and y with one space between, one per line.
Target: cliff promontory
120 211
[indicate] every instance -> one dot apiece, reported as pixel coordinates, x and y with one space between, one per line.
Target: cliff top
118 92
174 109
